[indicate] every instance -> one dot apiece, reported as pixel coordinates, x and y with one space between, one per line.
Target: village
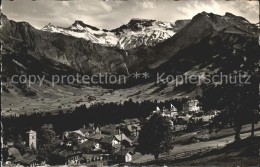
99 145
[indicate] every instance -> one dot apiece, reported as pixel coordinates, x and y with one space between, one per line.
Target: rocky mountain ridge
131 35
88 57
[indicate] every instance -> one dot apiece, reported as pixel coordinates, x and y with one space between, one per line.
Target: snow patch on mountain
136 33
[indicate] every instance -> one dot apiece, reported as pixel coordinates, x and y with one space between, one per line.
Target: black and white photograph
130 83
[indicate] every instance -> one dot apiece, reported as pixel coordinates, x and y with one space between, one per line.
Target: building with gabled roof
123 139
124 155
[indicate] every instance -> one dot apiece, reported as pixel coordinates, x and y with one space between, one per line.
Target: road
200 145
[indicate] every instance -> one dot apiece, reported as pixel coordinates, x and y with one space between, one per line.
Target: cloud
148 4
106 6
192 8
247 9
112 14
65 3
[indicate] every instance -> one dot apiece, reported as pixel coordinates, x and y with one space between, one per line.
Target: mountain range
185 47
136 33
65 46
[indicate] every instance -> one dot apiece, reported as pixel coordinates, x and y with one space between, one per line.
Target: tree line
101 114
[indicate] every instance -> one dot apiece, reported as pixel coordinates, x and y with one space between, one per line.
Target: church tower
32 139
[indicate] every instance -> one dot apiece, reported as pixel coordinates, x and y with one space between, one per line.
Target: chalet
109 140
135 141
191 105
94 128
169 113
180 127
87 131
32 160
123 139
134 121
81 137
130 130
11 155
87 147
157 110
67 157
84 132
97 137
110 130
185 118
8 144
107 143
88 158
116 148
133 130
173 108
124 155
170 121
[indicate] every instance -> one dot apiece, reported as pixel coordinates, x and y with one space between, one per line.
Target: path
201 145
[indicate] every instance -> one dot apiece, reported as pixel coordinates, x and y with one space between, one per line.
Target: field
67 97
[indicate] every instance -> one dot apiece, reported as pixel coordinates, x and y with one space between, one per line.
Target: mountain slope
205 33
78 54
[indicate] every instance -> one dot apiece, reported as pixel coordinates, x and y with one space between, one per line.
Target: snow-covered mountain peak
133 34
79 25
49 27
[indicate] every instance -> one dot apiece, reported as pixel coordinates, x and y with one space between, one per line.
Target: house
87 131
191 105
135 141
84 132
123 139
88 158
130 127
91 146
172 112
81 137
110 130
134 121
157 110
185 118
94 128
67 157
116 148
8 144
169 119
29 159
97 137
108 142
124 155
87 147
132 130
11 155
180 127
173 108
169 113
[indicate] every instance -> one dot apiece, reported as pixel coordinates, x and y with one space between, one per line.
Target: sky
109 14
